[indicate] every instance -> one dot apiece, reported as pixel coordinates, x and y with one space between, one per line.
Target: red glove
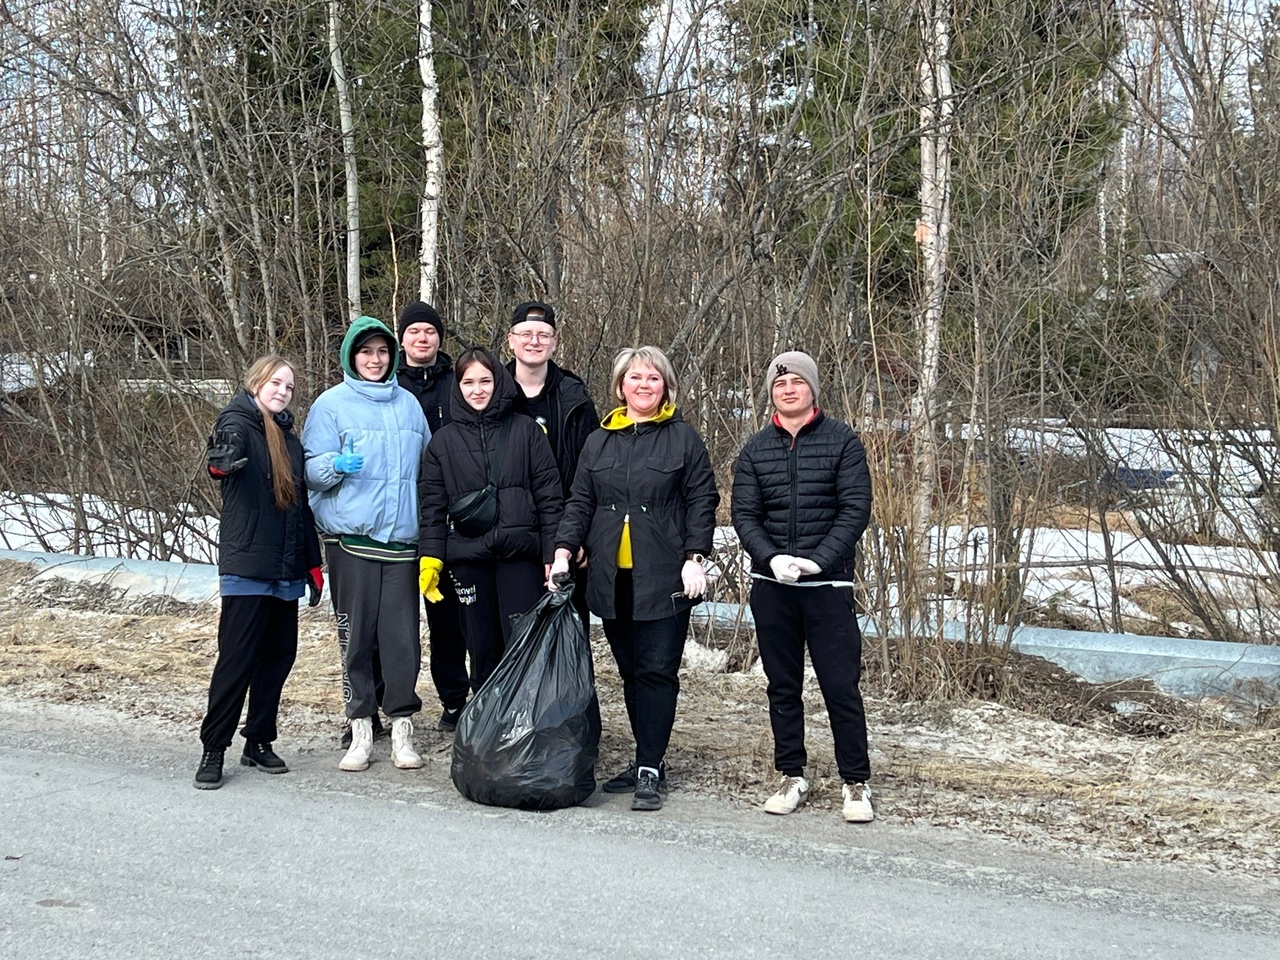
315 586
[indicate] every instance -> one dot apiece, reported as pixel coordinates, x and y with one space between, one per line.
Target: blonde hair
282 486
629 357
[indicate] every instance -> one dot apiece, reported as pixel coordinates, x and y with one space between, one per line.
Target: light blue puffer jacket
384 422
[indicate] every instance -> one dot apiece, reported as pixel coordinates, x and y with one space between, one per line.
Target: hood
246 410
617 418
357 332
505 392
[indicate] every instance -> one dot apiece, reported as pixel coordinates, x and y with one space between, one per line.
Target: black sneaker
648 790
448 721
379 732
209 774
260 755
625 782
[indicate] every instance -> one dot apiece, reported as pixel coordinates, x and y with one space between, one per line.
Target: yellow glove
429 578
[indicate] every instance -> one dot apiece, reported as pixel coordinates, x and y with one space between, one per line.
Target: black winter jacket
431 386
659 475
457 463
256 540
574 413
804 496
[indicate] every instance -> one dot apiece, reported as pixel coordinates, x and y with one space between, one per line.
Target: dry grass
1053 765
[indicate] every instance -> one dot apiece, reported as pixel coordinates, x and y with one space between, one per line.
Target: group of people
479 484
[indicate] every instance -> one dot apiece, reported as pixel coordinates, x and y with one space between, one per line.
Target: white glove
785 569
806 566
694 579
559 570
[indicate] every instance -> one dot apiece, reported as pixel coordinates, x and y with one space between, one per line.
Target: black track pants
448 656
489 594
257 644
787 619
376 604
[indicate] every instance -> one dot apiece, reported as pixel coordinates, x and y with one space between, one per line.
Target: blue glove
348 461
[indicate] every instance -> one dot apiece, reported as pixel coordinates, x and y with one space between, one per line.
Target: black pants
257 644
648 653
448 657
787 618
376 604
489 594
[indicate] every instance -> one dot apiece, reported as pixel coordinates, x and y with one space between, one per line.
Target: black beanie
521 313
419 312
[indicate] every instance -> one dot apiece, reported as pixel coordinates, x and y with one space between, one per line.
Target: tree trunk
433 153
932 233
349 155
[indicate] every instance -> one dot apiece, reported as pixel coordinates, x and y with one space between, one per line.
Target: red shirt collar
777 422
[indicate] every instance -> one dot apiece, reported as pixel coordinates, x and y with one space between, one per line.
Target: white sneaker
402 753
857 804
357 756
791 795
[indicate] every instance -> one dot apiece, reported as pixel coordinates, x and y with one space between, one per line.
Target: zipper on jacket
630 456
793 473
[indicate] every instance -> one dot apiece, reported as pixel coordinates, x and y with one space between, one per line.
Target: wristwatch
696 558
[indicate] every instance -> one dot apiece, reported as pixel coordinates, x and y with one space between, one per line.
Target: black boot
209 774
261 756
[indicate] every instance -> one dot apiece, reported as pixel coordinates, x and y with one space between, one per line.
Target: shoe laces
792 783
361 735
857 792
647 779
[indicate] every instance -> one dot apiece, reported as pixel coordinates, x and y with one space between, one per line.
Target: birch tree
343 91
933 235
433 154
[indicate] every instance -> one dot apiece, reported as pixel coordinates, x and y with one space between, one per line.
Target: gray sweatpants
376 604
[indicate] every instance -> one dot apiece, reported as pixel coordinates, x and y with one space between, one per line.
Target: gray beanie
797 362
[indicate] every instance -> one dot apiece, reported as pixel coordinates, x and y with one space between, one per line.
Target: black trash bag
530 736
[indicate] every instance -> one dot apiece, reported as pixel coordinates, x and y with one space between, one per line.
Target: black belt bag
474 514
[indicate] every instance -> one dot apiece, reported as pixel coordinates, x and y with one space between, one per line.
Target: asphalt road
109 853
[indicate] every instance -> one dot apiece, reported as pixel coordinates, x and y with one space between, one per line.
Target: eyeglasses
530 336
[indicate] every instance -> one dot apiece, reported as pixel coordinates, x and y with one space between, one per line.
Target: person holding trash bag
801 502
643 506
268 555
365 439
491 500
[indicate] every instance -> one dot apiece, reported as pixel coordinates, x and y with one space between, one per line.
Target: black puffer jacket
658 474
804 496
431 385
255 540
574 413
457 463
